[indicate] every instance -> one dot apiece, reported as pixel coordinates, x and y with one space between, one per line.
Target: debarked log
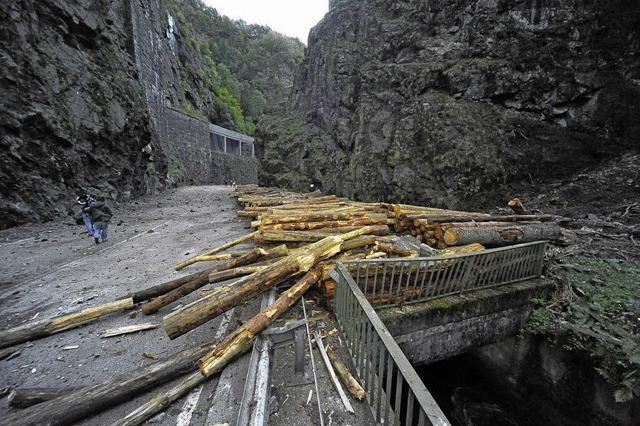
230 244
202 310
502 235
203 279
46 327
91 400
234 345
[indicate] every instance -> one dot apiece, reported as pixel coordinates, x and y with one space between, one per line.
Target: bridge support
441 328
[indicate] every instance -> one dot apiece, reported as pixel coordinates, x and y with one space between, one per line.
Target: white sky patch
290 17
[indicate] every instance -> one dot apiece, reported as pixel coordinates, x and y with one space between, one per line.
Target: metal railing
395 393
389 282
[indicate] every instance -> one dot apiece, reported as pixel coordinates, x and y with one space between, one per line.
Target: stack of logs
442 232
297 239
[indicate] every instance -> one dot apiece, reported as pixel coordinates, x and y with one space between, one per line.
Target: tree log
308 236
310 217
302 226
230 244
203 279
46 327
91 400
234 345
496 236
202 310
455 251
26 397
479 217
160 289
353 386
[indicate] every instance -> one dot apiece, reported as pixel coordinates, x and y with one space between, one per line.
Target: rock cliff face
73 113
451 102
91 94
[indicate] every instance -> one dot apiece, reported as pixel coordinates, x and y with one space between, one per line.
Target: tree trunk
234 345
230 244
203 279
310 217
302 226
480 217
26 397
160 289
353 386
91 400
197 313
501 235
46 327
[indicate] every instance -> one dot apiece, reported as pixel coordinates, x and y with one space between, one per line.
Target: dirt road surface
53 268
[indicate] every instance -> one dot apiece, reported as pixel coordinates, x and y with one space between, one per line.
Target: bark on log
203 279
160 289
308 236
26 397
497 236
46 327
302 226
202 310
230 244
310 217
235 344
392 250
91 400
219 257
479 217
353 386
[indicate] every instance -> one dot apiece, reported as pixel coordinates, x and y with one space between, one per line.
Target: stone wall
442 328
183 140
191 155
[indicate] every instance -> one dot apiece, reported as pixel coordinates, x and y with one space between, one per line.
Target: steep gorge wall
451 102
72 110
87 88
166 65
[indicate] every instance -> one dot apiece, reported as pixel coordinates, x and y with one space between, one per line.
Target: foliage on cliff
249 68
597 311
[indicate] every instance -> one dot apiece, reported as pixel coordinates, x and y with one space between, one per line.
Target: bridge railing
394 392
391 282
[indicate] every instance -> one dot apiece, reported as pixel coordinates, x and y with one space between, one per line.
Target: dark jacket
100 212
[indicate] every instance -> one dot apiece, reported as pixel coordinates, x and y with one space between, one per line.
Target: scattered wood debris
151 355
297 238
128 329
332 373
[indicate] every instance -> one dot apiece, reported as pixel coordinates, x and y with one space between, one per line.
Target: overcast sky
290 17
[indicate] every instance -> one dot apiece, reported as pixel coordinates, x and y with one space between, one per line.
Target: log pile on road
297 239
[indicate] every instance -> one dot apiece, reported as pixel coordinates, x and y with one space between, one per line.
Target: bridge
396 313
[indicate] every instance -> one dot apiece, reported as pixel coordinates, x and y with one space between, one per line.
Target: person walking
100 214
85 200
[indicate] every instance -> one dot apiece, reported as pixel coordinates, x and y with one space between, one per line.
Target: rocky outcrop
93 96
450 103
73 113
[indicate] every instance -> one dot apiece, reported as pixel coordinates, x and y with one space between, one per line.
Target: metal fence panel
395 393
390 282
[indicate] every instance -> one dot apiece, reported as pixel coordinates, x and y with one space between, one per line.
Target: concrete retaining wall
442 328
183 140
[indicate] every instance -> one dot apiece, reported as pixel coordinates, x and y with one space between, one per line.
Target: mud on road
53 268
